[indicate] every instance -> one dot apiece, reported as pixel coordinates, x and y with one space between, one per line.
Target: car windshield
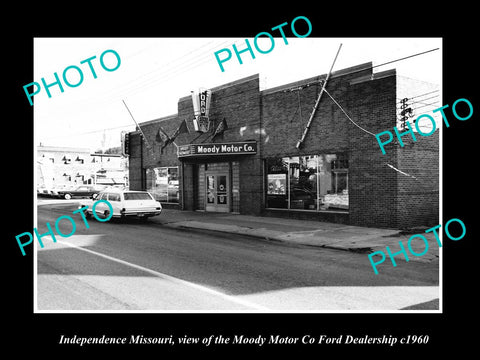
136 196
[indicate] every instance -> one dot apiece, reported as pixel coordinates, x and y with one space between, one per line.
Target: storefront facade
249 161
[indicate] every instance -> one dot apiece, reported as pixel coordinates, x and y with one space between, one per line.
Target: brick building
254 167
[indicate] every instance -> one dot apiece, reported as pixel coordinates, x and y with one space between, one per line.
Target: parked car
43 191
81 191
48 191
54 192
125 203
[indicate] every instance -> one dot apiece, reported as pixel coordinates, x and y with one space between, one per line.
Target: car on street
124 203
80 191
52 191
43 191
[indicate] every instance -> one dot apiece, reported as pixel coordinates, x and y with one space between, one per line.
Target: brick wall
372 184
187 193
251 186
154 157
200 187
418 198
285 114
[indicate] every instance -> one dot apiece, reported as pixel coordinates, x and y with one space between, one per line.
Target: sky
155 72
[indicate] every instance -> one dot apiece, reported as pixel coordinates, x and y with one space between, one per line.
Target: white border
439 311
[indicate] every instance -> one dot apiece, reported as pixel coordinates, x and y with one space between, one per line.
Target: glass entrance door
218 192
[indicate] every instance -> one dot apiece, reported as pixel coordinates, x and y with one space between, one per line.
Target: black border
41 332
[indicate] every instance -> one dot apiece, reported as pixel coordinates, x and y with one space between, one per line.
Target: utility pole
300 142
103 142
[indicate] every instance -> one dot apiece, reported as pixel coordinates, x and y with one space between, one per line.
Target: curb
280 237
253 233
240 231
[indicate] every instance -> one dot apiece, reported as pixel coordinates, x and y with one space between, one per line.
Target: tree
112 150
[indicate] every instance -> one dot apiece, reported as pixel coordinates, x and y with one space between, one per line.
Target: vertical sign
201 108
125 141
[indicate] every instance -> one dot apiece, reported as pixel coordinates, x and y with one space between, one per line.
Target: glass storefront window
162 183
303 182
277 196
333 179
312 182
211 189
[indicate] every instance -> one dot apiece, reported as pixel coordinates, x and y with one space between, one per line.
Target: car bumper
138 214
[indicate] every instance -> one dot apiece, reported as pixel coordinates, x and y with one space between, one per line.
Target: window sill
311 211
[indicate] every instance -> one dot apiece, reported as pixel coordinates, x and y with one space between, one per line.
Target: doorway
217 197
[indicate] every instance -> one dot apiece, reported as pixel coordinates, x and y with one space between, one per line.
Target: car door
101 206
82 191
114 200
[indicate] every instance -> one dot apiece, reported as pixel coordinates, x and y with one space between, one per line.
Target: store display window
311 182
163 184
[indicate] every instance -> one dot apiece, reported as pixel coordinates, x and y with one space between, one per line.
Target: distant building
109 169
65 166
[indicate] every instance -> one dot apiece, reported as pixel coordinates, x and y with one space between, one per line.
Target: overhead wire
236 94
179 66
130 89
427 93
154 77
192 63
406 57
348 116
418 103
368 132
187 65
89 132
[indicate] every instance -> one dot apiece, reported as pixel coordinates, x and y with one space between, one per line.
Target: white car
124 203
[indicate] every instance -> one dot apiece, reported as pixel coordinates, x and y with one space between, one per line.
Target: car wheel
67 196
87 214
106 214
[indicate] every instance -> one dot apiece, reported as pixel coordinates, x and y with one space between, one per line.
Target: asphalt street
148 266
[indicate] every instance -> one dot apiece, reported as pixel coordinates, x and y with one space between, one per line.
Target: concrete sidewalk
311 233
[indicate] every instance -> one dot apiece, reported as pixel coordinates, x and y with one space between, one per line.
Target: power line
152 82
400 100
427 93
88 132
154 76
406 57
419 107
181 69
423 100
348 117
158 75
368 132
374 66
